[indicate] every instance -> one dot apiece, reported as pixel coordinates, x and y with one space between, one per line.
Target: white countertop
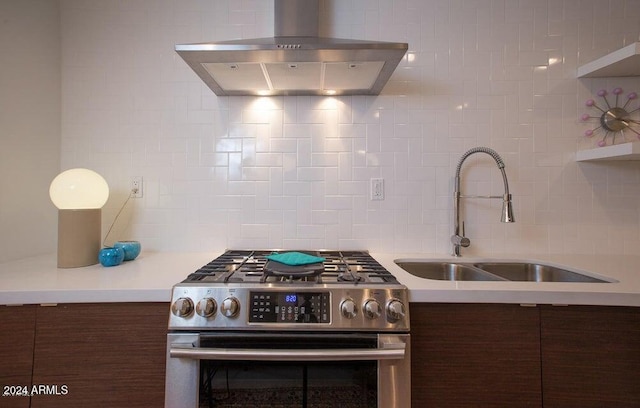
148 278
151 276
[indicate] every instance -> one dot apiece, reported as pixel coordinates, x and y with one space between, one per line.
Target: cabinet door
591 356
105 355
16 353
475 355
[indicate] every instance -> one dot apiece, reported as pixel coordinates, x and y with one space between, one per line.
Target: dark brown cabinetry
475 355
490 355
590 356
85 355
107 354
16 354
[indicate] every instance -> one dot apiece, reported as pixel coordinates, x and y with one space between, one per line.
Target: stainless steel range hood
296 61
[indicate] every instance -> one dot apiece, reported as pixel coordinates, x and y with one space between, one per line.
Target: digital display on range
289 307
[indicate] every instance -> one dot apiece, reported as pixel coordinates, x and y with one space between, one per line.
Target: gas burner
349 276
291 273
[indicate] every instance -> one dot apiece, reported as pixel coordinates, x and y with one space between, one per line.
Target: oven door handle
392 351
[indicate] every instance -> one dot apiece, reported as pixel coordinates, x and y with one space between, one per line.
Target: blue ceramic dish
111 256
131 249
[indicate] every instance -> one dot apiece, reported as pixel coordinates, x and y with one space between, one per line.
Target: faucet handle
464 241
460 241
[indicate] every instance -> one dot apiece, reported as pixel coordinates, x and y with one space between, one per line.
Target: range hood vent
296 61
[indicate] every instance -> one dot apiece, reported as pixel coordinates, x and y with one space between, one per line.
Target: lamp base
79 234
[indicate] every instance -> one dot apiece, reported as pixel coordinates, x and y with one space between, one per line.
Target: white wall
293 172
29 125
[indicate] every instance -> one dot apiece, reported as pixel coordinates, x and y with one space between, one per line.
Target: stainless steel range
245 330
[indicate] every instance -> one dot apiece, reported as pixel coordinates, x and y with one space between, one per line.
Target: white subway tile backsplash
294 172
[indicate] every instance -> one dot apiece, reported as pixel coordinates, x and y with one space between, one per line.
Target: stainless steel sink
494 271
447 271
534 272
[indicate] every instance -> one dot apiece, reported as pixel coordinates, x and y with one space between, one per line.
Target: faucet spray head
507 209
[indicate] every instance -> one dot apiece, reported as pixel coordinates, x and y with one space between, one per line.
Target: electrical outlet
136 187
377 189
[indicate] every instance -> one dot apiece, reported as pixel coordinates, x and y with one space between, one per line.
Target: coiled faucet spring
458 239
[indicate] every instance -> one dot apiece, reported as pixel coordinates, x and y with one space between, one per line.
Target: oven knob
348 308
395 310
372 309
230 307
182 307
206 307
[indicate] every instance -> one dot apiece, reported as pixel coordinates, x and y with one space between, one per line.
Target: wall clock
613 120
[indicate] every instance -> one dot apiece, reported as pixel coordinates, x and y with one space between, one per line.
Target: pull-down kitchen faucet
458 239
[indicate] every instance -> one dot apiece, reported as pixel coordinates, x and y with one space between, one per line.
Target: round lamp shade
77 189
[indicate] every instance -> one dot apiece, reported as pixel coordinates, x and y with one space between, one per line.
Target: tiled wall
294 172
29 126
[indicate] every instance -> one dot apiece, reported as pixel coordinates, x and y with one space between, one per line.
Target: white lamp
79 195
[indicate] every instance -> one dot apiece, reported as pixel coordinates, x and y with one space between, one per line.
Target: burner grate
251 266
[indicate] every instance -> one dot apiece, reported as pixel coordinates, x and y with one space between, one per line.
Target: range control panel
290 307
340 307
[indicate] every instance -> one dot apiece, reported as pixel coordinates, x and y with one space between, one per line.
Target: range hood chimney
296 61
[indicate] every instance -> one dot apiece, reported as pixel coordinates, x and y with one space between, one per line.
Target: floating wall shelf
623 62
623 151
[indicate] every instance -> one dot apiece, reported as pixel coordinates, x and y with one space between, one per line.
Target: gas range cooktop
243 290
252 267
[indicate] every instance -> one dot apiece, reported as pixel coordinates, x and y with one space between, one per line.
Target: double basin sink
494 271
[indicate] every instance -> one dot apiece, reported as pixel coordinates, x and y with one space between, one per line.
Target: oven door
287 370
